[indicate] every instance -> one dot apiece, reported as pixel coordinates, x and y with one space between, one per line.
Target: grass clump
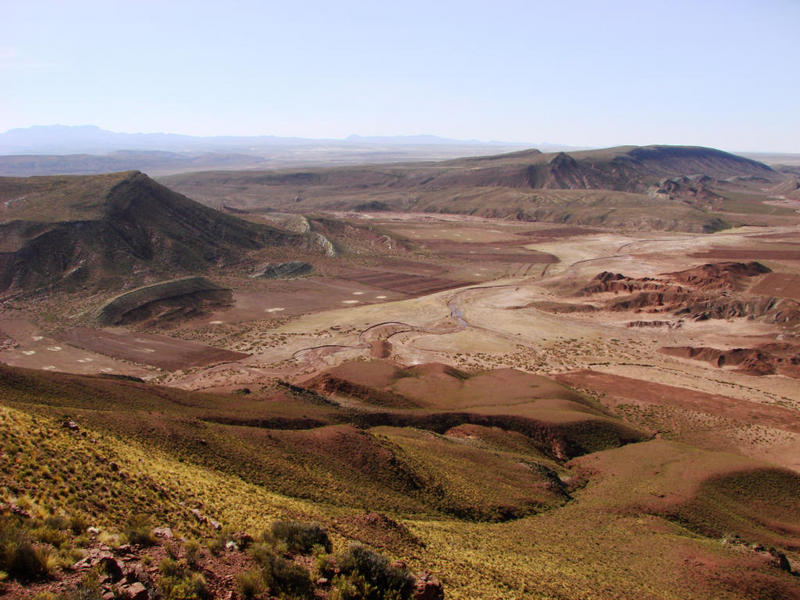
301 537
179 582
88 589
250 584
139 531
24 556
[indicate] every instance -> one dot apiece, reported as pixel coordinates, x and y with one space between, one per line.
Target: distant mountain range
86 149
89 139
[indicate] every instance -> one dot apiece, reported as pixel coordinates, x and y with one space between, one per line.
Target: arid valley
525 375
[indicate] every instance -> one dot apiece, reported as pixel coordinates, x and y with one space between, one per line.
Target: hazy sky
597 73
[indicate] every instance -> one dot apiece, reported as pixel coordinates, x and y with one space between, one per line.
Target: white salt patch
357 293
54 348
37 338
349 301
380 297
106 369
49 368
147 350
215 322
272 310
29 352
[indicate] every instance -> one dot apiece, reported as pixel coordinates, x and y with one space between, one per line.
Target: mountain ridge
613 187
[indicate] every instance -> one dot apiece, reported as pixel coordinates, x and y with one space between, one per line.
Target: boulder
780 560
110 565
135 591
428 587
165 533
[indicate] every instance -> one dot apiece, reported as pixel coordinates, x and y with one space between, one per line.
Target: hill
488 506
626 187
67 232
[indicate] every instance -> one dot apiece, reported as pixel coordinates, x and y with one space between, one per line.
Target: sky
586 73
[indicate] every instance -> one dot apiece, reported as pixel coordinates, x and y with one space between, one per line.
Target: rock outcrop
285 270
167 300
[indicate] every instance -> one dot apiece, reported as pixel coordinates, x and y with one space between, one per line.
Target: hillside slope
481 505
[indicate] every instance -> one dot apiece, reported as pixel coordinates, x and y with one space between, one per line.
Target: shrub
367 575
353 587
250 584
282 576
301 537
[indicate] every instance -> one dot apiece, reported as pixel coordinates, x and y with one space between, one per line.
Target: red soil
726 275
405 283
782 285
157 350
765 359
742 254
700 293
625 390
490 251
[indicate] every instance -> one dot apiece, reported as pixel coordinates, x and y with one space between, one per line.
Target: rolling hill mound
93 230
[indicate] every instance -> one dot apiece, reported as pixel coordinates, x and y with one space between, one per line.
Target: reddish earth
617 282
726 275
741 254
157 350
405 283
704 292
557 233
625 390
380 349
491 251
378 530
711 276
440 386
766 359
782 285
